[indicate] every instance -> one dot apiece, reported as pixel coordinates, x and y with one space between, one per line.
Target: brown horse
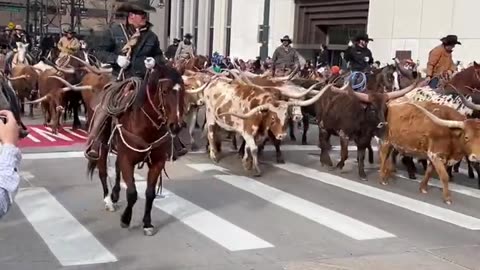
142 133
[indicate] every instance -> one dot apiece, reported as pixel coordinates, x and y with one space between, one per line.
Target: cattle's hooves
110 207
423 190
363 176
412 176
304 143
123 225
149 231
280 160
293 138
448 201
257 173
194 147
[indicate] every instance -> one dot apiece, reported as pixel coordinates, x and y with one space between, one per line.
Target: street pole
265 30
27 18
72 14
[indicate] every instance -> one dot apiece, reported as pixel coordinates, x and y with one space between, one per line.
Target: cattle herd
437 127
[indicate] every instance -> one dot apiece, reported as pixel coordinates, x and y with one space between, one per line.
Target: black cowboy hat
450 40
363 37
176 40
188 35
135 6
286 38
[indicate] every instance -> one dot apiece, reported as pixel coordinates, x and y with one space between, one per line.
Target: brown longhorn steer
250 111
352 116
23 80
429 131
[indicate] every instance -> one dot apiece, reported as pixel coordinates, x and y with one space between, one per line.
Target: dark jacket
110 44
357 57
171 50
323 59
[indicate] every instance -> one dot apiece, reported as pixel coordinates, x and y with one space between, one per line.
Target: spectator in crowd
323 57
10 157
172 49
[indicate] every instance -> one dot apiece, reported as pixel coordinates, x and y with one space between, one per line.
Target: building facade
411 28
240 28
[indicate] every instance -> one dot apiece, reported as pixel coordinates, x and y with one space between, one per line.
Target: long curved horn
400 93
248 114
69 85
64 70
18 77
469 104
438 121
90 67
312 100
198 90
37 100
466 102
299 94
293 73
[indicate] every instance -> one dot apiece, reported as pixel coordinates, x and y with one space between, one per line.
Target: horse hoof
448 201
123 225
423 190
280 161
110 207
149 231
304 143
194 147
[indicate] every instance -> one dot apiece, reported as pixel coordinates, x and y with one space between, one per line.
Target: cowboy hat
69 30
18 27
286 38
363 37
135 6
188 35
450 40
176 40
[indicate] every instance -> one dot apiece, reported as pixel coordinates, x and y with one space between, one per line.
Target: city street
297 216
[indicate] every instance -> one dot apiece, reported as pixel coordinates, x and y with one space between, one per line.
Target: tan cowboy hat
135 6
18 27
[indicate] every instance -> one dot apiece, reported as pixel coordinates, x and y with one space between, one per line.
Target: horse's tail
92 164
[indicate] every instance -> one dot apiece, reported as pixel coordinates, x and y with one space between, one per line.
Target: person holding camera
10 157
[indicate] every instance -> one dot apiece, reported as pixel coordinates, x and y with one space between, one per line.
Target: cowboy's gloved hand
350 43
122 61
149 62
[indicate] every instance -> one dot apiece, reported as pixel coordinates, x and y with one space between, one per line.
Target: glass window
228 28
342 34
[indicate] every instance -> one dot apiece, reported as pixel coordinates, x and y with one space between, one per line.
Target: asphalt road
297 216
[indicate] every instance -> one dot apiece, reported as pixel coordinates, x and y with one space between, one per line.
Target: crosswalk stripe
70 242
420 207
205 222
434 182
341 223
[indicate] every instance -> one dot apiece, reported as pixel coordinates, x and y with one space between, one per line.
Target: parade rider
185 49
17 36
360 60
146 50
68 44
285 58
440 60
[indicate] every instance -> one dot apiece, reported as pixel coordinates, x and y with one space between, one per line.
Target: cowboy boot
93 146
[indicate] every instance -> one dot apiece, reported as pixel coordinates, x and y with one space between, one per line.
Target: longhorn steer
23 80
250 111
352 115
429 131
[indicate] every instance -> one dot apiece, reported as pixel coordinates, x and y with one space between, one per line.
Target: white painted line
52 155
293 147
203 167
420 207
70 242
33 138
434 182
206 223
341 223
111 173
338 222
70 130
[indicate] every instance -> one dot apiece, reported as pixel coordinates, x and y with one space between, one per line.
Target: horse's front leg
103 175
127 168
153 174
115 196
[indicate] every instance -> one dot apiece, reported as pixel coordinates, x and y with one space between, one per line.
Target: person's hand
122 61
8 131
